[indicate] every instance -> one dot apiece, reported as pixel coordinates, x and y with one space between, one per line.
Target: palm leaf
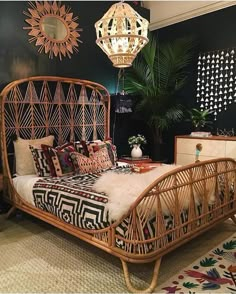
208 262
190 285
157 75
230 245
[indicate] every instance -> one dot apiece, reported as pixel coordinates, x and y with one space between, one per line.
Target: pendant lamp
121 34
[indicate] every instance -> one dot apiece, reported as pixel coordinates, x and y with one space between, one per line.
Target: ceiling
165 13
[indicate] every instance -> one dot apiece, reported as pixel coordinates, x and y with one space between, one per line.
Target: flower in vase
137 140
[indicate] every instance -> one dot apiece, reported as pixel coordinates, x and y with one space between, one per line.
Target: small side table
133 160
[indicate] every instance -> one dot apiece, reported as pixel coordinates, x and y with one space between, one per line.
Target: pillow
95 146
96 163
59 159
81 147
23 156
111 151
101 160
82 164
91 147
41 165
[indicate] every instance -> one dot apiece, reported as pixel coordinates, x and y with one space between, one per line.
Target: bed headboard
71 109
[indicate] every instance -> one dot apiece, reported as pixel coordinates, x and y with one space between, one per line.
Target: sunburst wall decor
53 28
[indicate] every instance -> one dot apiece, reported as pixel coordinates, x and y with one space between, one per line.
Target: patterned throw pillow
82 164
41 165
96 163
59 159
93 146
101 160
81 147
111 151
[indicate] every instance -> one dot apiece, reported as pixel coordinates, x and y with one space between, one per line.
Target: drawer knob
198 151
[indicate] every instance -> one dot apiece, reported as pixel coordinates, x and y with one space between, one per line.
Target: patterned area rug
214 272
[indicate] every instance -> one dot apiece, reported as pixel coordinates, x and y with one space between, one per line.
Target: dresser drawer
230 149
184 159
212 148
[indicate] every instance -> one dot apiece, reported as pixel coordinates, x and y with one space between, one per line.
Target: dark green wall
213 31
19 58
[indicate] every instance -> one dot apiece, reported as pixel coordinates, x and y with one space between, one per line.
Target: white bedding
24 186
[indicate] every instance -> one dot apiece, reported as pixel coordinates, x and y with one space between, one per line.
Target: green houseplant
199 118
158 74
137 140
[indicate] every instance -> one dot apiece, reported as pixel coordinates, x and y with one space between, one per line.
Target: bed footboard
177 207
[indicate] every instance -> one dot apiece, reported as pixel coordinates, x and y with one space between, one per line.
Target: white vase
136 152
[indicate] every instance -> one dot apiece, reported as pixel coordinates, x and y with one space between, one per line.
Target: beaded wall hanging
216 81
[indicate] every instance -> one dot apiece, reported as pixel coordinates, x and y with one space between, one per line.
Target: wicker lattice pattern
71 111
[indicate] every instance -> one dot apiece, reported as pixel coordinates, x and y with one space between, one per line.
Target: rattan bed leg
152 284
233 219
10 211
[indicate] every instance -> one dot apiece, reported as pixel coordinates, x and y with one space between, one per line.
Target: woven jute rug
215 272
50 263
37 258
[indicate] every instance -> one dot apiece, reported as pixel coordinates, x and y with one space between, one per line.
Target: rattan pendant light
121 34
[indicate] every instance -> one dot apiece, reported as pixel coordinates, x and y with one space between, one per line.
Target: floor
22 225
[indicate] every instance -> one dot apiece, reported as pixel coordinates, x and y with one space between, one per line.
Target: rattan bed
78 109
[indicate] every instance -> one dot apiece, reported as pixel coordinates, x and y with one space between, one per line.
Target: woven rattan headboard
70 109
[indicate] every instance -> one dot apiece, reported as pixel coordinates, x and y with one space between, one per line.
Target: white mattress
24 186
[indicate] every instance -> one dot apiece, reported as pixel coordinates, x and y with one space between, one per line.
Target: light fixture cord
117 89
123 81
158 61
118 80
121 75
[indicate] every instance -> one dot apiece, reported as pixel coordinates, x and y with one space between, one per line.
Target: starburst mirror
53 28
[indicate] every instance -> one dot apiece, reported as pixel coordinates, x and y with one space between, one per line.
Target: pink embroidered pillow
95 146
92 147
96 163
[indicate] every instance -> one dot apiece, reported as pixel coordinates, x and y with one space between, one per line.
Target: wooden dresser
212 147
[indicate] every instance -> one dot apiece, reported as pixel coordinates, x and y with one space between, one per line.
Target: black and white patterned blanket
72 199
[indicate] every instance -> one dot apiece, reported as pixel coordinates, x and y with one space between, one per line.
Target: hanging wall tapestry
216 81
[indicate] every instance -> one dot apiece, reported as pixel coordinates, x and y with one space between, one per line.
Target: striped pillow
41 165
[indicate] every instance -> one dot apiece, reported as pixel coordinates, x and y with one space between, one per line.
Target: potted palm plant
156 77
199 118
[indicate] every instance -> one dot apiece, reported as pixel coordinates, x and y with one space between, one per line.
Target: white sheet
24 186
